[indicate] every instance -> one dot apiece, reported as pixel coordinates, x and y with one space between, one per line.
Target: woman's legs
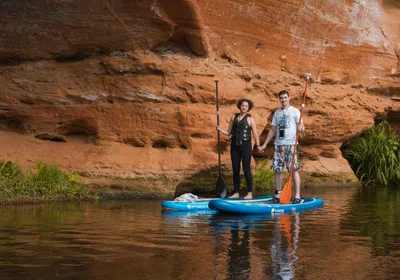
246 160
236 158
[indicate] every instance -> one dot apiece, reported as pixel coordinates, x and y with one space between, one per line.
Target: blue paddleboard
202 203
263 207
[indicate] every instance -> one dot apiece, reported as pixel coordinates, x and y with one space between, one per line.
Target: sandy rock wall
126 88
64 30
337 41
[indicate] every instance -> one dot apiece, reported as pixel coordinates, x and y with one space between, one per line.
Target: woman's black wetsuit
241 149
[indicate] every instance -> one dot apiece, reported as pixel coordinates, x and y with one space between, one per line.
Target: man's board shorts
283 155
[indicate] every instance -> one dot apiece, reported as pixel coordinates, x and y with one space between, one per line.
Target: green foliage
9 170
48 181
96 197
264 178
375 157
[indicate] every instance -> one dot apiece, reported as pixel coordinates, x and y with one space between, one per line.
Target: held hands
261 148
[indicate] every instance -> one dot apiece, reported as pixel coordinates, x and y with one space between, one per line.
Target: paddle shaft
297 134
219 141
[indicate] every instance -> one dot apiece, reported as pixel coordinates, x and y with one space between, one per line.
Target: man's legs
296 183
277 166
278 180
296 175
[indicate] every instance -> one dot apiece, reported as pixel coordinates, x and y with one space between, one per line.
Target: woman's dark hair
239 103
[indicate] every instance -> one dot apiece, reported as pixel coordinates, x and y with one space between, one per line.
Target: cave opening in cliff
160 144
374 155
70 57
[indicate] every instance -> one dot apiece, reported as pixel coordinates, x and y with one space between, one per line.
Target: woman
241 147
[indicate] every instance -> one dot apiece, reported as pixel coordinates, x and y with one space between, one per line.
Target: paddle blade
286 193
220 189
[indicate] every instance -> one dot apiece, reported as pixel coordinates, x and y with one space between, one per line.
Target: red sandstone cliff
126 88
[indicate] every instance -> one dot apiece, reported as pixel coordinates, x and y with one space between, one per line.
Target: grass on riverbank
46 182
264 177
375 157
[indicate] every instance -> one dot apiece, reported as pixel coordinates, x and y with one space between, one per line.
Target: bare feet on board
249 196
235 195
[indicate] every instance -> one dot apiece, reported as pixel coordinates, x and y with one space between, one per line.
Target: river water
356 235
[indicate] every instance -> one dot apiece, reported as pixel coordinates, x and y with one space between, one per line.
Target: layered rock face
126 88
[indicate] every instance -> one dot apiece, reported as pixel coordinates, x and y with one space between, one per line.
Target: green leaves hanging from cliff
375 156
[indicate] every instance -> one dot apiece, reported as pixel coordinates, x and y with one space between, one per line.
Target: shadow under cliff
203 183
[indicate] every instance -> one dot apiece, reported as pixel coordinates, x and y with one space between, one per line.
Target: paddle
220 188
287 189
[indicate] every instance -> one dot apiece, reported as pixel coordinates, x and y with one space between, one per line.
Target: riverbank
161 187
200 184
48 183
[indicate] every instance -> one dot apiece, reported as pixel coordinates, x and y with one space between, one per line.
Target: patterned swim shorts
283 154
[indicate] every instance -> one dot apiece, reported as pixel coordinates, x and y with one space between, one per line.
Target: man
285 123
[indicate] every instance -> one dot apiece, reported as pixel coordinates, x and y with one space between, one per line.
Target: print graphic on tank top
284 123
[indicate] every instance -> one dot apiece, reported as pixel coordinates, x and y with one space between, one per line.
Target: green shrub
264 178
48 181
9 170
375 156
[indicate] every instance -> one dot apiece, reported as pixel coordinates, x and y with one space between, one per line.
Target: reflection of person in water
239 253
232 235
283 246
247 240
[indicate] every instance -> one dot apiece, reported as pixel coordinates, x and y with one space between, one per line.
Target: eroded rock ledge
126 90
